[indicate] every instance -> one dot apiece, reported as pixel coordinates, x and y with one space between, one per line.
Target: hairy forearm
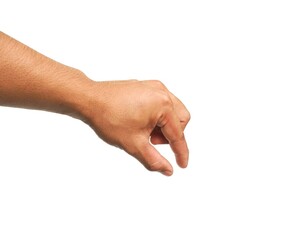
30 80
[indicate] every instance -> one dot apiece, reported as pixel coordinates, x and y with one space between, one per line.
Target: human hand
133 114
128 114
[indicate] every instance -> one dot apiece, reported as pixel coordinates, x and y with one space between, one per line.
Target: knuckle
158 84
165 100
186 117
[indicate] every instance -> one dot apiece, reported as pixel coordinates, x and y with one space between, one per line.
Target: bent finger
179 107
157 137
172 130
181 110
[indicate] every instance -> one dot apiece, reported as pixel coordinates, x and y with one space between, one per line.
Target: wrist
75 98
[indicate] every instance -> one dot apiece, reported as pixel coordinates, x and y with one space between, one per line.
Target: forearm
30 80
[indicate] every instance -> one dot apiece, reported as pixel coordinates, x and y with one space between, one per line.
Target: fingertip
182 159
153 160
167 173
183 164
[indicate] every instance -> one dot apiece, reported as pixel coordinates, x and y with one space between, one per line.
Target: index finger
173 132
180 109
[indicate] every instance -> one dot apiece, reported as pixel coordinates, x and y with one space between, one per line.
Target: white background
226 60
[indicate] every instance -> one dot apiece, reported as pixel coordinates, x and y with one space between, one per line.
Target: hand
128 114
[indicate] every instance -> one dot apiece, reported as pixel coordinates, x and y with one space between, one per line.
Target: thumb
153 160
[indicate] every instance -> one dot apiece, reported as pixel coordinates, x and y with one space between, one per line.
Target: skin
132 115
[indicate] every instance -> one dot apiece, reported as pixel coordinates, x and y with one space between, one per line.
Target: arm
126 114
